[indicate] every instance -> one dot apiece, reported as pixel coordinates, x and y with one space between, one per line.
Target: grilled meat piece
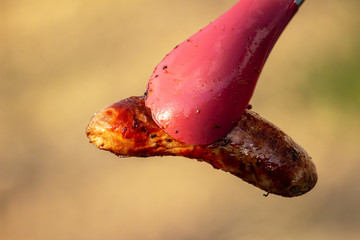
255 150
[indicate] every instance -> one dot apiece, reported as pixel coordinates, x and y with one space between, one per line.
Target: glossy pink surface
202 87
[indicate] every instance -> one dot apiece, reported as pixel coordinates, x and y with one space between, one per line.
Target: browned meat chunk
255 150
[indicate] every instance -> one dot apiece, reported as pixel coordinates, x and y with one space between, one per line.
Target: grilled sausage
255 150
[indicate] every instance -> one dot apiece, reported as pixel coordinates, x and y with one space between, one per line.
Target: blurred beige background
61 61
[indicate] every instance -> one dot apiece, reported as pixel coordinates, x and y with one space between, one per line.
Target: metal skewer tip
299 2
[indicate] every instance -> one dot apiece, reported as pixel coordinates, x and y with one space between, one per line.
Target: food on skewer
196 99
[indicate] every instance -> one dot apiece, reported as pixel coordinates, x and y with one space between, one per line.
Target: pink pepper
202 87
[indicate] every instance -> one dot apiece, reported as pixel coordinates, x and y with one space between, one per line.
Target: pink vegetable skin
202 87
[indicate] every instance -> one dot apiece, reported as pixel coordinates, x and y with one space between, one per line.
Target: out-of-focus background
61 61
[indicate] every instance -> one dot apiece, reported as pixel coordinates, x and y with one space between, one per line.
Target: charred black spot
153 135
294 155
147 92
